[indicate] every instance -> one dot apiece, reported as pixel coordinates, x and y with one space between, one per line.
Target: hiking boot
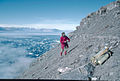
65 52
61 53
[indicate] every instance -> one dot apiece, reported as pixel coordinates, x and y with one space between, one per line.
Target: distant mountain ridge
42 30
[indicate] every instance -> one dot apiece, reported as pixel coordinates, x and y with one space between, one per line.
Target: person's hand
68 40
65 41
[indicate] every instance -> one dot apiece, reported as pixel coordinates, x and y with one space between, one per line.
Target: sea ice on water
14 51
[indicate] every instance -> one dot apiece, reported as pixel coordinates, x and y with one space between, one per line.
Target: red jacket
62 39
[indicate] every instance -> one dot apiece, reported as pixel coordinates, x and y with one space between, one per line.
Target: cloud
13 61
62 24
50 26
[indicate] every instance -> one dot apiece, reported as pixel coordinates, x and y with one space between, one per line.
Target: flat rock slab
73 75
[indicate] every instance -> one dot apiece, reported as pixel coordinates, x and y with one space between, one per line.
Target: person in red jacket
64 45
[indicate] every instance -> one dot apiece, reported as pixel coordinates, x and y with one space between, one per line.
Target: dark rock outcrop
97 29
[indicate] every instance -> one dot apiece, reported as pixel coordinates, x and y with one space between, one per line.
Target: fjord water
18 50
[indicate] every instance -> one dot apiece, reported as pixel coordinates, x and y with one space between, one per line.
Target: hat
63 32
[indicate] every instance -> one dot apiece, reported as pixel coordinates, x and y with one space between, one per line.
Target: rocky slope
97 29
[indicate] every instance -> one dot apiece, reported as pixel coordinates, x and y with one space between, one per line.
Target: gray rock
73 75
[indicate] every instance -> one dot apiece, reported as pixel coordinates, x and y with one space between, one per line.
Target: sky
60 14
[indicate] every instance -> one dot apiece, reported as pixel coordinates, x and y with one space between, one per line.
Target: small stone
46 67
80 55
111 73
94 78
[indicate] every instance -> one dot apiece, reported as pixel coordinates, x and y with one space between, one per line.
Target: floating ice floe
37 55
57 41
30 53
41 43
